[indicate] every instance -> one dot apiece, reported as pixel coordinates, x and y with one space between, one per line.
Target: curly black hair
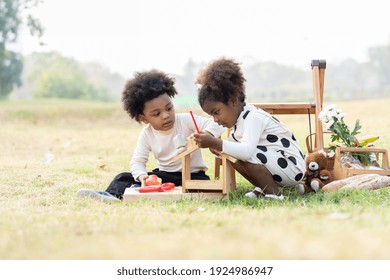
143 87
221 81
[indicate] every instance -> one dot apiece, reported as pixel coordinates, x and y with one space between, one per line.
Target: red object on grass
193 119
157 188
152 180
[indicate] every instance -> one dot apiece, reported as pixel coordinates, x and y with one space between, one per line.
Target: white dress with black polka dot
260 138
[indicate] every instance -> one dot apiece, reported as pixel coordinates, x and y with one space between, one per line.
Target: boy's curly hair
220 81
143 87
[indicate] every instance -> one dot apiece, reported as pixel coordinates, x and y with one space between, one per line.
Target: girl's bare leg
258 175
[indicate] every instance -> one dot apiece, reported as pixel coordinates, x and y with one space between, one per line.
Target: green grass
42 218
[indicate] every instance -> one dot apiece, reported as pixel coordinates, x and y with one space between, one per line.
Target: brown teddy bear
316 175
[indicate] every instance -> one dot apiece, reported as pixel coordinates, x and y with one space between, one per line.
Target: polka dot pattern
282 162
263 148
262 158
285 142
277 148
272 138
245 115
299 177
293 137
293 159
277 178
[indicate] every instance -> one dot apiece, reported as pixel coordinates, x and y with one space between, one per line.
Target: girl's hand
206 140
215 152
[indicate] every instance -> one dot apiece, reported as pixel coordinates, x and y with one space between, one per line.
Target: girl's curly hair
221 81
143 87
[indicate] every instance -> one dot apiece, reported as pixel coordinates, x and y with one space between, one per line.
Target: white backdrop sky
135 35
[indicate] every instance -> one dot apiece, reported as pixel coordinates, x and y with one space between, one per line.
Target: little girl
267 151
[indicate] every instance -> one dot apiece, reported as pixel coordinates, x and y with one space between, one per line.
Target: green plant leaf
357 127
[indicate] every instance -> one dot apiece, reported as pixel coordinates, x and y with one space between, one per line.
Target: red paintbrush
193 119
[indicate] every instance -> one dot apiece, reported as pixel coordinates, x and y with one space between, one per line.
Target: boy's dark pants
125 180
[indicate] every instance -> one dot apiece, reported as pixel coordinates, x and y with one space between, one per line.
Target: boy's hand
142 179
206 140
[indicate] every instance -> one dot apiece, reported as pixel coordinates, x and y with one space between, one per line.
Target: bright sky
135 35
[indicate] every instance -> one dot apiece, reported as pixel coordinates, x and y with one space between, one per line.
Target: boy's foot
257 192
99 195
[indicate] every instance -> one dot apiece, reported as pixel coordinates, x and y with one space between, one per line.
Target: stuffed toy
316 175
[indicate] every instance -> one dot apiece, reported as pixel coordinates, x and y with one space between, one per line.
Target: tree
56 76
12 16
380 60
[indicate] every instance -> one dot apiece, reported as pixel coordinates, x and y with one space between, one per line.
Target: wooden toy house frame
219 185
192 189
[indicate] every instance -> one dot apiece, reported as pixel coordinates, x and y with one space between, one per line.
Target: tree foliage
12 16
56 76
380 59
268 81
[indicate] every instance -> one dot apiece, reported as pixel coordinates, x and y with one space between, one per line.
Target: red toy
152 180
157 188
153 184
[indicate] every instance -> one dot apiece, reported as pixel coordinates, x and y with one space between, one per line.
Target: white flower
331 107
323 116
330 115
329 124
333 118
340 115
327 113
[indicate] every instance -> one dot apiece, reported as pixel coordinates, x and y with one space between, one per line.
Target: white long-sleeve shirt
161 144
256 128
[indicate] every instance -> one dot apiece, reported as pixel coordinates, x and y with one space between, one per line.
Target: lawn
50 149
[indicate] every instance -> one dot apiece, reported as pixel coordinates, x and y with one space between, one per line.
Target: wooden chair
313 108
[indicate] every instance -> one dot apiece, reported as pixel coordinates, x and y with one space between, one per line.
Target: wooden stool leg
318 72
186 171
217 166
